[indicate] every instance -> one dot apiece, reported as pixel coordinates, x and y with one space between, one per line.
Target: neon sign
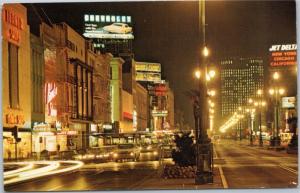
14 25
51 92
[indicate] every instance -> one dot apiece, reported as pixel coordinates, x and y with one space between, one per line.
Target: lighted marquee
283 55
108 26
148 76
147 67
14 24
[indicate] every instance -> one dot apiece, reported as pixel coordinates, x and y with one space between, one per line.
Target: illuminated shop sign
147 67
94 128
159 113
107 127
67 133
127 115
288 102
160 90
108 26
283 55
14 119
51 92
13 24
148 76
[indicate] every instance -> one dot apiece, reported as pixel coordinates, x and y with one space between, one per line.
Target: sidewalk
156 182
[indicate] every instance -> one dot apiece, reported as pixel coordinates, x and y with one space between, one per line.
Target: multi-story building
37 80
140 112
240 80
170 108
16 82
116 92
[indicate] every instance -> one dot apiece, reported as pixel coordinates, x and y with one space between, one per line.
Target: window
97 18
124 19
113 18
102 18
92 18
86 17
107 18
128 19
13 73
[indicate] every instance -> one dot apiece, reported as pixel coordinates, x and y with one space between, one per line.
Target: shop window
13 73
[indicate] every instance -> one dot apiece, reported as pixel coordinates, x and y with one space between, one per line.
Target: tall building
16 82
240 80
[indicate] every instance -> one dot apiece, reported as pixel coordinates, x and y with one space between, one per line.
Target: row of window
107 18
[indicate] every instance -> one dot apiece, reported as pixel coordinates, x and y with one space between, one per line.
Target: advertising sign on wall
283 55
108 26
148 76
288 102
147 67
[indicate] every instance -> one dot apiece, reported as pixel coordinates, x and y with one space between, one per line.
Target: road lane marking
289 169
223 179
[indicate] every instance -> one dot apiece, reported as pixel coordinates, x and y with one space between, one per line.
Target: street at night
242 166
149 95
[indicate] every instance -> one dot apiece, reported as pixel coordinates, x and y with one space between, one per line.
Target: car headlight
155 153
131 153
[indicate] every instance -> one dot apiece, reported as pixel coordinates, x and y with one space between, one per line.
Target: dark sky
167 32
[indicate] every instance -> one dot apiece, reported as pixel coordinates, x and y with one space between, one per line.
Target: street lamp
276 92
197 74
260 104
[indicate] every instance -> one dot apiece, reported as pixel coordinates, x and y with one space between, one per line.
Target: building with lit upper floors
240 80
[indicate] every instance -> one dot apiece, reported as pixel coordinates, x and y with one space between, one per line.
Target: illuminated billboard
288 102
147 67
108 26
283 55
148 76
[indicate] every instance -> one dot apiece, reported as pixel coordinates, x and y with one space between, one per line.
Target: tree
184 155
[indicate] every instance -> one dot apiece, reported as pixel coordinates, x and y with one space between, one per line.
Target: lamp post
276 92
204 154
250 111
260 104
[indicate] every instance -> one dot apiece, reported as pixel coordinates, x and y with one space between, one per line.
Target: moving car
126 152
118 28
150 151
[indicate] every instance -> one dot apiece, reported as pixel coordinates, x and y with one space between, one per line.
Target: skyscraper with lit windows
240 80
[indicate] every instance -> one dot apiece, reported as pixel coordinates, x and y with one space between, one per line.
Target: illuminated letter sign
13 24
283 55
51 92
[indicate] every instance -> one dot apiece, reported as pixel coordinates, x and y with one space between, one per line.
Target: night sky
167 32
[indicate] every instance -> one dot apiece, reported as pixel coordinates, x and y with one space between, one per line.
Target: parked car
127 152
118 28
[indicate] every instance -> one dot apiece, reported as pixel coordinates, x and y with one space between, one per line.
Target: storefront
23 147
44 138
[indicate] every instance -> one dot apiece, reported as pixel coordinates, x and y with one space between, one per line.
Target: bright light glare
276 75
197 74
205 51
212 73
281 91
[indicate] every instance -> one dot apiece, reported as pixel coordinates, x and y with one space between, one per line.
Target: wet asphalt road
242 166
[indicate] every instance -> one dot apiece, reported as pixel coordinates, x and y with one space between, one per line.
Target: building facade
16 82
116 92
140 113
240 80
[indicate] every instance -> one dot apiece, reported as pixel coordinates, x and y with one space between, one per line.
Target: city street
253 167
242 167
